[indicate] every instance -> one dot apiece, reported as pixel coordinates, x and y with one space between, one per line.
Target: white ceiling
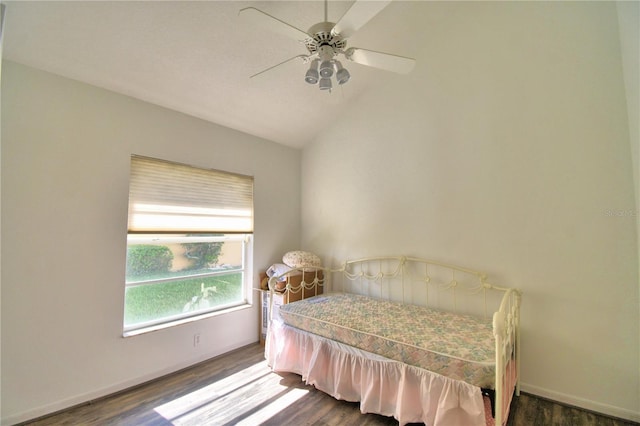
196 57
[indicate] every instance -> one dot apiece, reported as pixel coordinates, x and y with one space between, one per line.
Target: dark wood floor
239 389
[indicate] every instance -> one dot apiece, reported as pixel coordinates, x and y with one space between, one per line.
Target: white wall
629 25
506 150
2 11
65 165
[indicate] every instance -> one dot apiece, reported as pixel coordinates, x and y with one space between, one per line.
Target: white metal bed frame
404 278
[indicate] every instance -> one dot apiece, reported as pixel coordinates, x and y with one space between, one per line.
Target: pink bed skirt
382 386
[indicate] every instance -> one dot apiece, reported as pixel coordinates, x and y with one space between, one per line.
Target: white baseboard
587 404
109 390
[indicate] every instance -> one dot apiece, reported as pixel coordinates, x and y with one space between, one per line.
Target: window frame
177 236
245 270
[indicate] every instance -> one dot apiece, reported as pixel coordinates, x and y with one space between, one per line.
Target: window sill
157 327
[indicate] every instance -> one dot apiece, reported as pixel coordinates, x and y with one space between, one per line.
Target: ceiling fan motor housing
320 36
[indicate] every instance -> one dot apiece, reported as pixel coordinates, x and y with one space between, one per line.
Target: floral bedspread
460 347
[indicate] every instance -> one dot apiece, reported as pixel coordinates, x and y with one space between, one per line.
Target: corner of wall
2 11
629 30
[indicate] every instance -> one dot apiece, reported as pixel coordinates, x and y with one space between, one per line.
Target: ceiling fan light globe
325 83
326 69
342 76
311 76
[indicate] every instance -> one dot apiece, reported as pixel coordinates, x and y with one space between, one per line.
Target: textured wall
66 150
506 150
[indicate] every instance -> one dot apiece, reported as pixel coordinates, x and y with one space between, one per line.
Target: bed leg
491 394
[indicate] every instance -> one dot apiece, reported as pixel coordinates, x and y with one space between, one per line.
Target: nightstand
285 297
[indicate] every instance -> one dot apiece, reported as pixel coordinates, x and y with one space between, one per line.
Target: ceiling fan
326 41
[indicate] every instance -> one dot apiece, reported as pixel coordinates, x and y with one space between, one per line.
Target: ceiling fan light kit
325 41
326 69
312 76
342 75
325 83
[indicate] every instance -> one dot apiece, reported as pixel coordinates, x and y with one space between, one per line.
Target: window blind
171 197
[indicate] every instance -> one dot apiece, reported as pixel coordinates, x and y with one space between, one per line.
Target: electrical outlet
196 340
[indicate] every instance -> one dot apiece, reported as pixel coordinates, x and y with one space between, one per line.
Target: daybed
410 338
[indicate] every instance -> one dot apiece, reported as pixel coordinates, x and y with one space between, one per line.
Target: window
189 243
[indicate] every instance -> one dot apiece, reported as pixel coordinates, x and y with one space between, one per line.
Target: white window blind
176 198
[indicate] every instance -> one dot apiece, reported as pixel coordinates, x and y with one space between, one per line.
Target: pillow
277 269
300 259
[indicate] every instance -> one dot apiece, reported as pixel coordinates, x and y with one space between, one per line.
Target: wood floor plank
525 410
544 410
239 389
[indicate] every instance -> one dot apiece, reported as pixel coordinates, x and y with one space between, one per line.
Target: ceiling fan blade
385 61
358 14
271 23
301 57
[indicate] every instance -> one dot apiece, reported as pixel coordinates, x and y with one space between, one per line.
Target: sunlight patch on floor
273 408
247 397
202 396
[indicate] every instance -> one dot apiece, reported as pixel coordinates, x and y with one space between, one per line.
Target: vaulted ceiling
196 57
